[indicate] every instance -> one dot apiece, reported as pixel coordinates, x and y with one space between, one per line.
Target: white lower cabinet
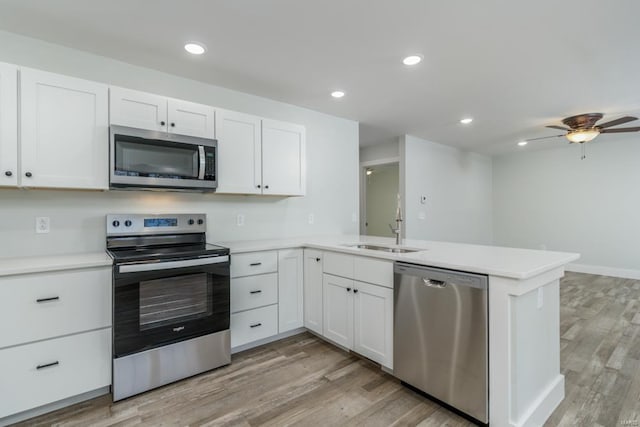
313 290
290 290
253 291
359 316
253 325
373 322
47 371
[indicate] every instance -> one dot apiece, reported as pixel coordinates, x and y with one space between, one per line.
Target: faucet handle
395 230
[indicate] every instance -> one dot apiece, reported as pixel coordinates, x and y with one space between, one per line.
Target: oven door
165 302
151 159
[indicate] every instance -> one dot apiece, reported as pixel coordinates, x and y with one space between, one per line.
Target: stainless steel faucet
398 229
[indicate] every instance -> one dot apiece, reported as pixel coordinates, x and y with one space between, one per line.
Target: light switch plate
240 220
42 224
311 218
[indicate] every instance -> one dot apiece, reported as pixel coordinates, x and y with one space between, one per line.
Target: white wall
384 151
458 187
77 217
552 199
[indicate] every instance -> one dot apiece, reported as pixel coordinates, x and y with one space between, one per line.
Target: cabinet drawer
254 291
338 264
83 364
372 270
69 302
254 325
254 263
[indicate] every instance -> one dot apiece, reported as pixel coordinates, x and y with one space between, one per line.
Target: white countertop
490 260
36 264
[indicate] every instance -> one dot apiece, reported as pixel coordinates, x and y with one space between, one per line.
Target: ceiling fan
583 128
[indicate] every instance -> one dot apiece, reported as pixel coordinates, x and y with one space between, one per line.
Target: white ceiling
513 66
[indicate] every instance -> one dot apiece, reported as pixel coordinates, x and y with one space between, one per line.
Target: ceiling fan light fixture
583 135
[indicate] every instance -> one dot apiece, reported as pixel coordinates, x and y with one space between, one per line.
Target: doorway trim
363 192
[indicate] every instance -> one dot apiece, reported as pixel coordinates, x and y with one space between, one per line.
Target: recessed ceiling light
522 143
466 121
337 94
412 60
194 48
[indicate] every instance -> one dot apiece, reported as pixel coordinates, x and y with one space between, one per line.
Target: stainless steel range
171 308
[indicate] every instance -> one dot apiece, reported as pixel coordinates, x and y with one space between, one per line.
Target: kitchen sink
392 249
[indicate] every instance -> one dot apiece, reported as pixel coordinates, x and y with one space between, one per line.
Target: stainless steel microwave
153 160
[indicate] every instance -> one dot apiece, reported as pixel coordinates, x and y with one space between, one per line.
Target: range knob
116 223
127 223
200 222
191 222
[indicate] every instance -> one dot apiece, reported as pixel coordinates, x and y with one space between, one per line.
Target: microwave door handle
203 164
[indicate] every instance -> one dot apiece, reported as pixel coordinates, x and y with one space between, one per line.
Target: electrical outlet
311 219
540 298
240 220
42 224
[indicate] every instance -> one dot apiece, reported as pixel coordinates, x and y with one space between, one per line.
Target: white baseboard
267 340
543 406
600 270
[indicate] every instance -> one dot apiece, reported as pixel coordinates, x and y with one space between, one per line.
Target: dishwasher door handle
432 283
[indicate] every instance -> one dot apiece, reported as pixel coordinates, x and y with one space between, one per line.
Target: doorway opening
379 197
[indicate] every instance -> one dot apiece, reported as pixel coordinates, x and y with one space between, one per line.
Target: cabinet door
137 109
283 158
8 125
373 322
240 153
338 310
290 290
191 119
313 290
64 126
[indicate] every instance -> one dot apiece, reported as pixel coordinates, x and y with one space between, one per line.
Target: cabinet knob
266 186
318 259
162 123
28 174
258 186
173 125
355 291
8 173
348 289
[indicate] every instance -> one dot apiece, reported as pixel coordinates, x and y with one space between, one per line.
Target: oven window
174 299
156 159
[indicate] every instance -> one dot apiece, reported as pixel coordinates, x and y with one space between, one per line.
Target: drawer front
338 264
254 325
254 291
254 263
372 270
69 302
83 364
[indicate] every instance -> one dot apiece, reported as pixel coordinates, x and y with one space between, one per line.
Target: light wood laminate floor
305 381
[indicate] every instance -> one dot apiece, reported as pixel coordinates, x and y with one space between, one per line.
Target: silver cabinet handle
255 292
432 283
165 265
40 300
48 365
203 163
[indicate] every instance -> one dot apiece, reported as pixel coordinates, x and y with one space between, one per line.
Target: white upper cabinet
283 158
64 131
8 125
191 119
240 153
154 112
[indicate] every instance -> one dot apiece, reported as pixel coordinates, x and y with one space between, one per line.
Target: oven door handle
203 163
155 266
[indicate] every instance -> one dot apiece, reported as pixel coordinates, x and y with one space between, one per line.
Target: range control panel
136 224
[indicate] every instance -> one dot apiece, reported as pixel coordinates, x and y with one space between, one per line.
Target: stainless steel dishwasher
441 340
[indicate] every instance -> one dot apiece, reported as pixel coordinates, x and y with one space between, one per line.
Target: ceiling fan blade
558 127
617 122
620 130
544 137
